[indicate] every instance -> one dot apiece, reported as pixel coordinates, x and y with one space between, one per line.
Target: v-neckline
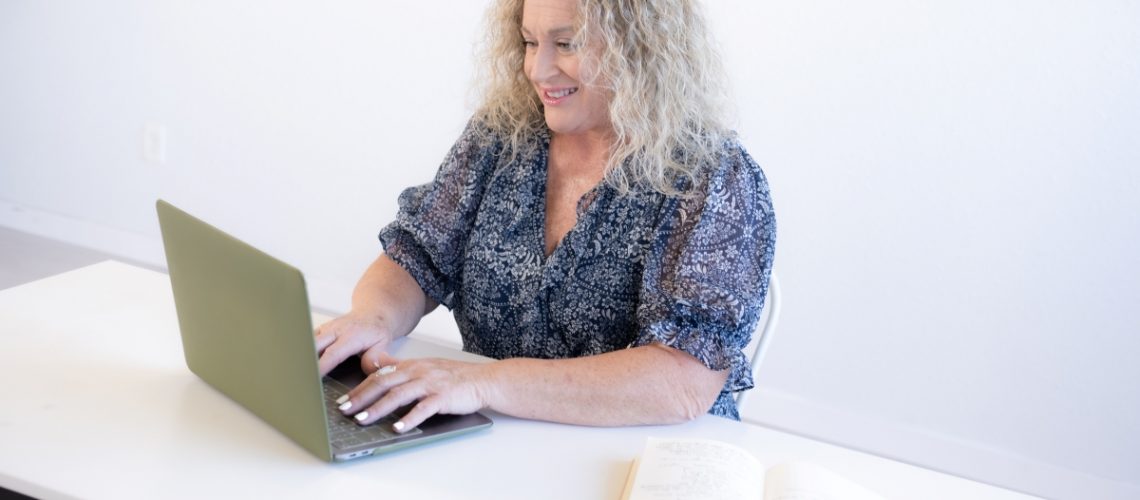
580 214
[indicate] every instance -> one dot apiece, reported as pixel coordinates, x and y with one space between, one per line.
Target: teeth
561 93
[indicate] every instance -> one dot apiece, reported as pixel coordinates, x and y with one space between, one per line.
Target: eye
529 44
565 46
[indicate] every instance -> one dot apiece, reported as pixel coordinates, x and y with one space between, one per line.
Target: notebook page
692 469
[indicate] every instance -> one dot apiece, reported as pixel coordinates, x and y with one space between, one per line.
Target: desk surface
96 402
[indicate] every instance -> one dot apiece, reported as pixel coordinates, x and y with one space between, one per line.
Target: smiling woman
652 61
596 228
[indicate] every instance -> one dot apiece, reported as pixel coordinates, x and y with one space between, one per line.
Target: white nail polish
387 369
399 425
345 406
361 416
342 399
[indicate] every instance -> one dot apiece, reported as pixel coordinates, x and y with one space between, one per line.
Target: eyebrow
555 31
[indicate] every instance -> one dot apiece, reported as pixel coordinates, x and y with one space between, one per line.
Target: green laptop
247 331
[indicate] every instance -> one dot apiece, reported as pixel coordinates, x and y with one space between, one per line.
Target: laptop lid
246 327
247 331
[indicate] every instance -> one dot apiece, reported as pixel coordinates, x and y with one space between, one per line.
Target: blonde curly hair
657 61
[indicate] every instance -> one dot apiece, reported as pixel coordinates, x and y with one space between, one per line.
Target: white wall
955 183
960 246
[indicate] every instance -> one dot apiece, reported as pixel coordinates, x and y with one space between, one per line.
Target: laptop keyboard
344 432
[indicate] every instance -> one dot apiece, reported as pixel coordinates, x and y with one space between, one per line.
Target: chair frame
767 330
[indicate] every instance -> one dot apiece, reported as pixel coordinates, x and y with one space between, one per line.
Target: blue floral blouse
690 273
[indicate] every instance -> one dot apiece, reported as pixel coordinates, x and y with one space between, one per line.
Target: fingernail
342 399
399 426
387 369
361 416
345 405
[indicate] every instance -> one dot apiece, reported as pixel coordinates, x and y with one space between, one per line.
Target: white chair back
766 328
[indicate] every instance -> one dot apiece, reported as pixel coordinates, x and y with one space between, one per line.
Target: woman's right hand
352 334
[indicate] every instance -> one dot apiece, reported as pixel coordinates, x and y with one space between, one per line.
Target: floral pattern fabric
688 272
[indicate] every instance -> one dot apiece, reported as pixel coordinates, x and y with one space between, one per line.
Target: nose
542 65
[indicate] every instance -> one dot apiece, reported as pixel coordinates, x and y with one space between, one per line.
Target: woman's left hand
439 386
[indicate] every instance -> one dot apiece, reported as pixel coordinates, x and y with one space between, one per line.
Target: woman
596 228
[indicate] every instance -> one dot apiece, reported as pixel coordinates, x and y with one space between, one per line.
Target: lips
555 96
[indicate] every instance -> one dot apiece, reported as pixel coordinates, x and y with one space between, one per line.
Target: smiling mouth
558 94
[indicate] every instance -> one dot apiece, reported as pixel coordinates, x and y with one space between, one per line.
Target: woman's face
553 67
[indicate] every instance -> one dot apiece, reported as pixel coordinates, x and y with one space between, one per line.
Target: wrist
488 384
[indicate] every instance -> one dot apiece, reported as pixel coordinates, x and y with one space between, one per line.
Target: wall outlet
154 144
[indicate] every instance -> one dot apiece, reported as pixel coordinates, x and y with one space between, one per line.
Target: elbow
692 388
689 403
686 415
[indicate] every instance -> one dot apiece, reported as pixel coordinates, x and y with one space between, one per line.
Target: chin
571 122
560 125
557 127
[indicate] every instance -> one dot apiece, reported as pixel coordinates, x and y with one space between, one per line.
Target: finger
374 387
381 380
421 411
400 395
385 359
375 357
325 337
335 354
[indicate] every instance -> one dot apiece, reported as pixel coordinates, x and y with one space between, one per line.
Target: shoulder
475 155
735 176
737 165
482 133
478 137
497 147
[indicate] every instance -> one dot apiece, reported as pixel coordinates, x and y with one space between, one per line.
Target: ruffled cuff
714 344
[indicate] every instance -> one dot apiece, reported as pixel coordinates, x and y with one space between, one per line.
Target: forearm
643 385
389 294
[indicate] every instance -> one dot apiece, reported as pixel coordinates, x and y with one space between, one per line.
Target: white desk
96 402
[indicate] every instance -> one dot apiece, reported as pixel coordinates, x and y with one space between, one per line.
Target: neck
584 152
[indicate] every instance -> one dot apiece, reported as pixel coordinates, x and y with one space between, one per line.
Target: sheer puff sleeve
706 274
430 232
